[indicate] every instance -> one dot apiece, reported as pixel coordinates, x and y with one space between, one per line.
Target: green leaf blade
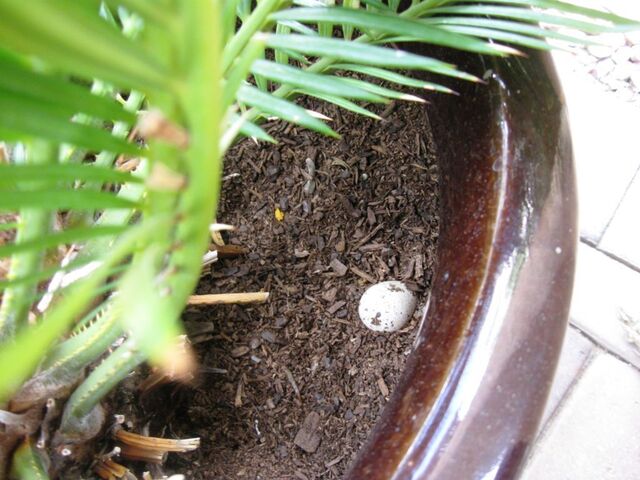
51 89
64 173
512 38
62 200
323 84
251 130
364 54
282 109
19 113
343 103
61 238
615 22
390 24
79 41
508 26
393 77
525 15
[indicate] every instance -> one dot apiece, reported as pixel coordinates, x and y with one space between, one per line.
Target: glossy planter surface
475 386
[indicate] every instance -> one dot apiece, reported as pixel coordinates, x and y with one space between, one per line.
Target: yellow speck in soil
279 214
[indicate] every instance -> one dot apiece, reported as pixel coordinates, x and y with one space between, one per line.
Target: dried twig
229 298
292 381
369 236
364 275
227 251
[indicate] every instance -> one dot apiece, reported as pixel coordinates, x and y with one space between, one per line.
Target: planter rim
476 383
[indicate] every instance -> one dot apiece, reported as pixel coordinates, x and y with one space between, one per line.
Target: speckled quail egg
386 306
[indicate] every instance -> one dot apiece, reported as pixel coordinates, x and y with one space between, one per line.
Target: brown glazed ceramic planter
475 386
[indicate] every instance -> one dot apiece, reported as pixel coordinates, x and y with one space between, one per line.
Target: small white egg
386 306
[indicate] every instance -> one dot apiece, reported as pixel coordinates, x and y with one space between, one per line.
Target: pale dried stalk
229 298
221 227
157 443
147 455
107 469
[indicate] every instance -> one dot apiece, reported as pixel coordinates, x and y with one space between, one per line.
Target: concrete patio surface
591 427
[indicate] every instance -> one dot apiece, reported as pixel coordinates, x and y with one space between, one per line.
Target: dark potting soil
350 213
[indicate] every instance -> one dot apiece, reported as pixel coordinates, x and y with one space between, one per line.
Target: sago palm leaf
485 27
41 100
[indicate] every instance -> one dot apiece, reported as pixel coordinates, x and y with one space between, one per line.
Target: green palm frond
63 173
484 27
327 84
76 40
42 99
392 25
67 97
390 76
270 104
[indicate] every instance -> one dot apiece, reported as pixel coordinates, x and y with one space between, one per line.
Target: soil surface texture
290 389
